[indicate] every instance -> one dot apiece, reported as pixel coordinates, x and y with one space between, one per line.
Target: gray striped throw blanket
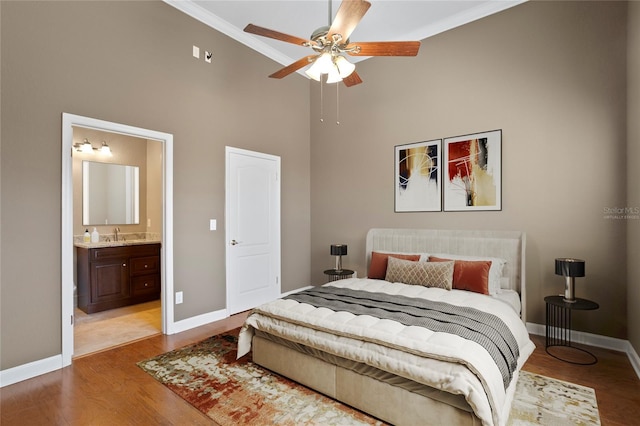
481 327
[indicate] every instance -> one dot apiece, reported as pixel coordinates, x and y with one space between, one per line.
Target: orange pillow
470 275
378 265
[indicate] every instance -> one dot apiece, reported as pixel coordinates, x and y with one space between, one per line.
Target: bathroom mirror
110 194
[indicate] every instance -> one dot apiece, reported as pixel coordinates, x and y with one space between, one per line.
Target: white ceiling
386 20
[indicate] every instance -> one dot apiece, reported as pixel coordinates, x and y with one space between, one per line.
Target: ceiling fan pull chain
337 103
321 100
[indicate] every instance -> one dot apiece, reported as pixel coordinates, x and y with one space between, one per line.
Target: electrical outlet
207 56
178 297
196 52
213 224
148 223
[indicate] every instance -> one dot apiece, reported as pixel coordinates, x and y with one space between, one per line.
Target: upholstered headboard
508 245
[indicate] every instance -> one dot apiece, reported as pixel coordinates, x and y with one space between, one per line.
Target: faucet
116 230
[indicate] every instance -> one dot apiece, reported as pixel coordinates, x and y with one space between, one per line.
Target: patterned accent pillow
428 274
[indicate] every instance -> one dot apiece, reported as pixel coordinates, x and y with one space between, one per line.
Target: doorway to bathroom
131 311
117 199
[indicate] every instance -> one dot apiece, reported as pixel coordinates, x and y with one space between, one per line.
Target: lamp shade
345 68
322 65
570 267
105 150
86 147
338 249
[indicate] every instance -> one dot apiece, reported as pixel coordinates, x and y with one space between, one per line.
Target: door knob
234 242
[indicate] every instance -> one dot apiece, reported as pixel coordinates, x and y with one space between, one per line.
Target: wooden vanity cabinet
112 277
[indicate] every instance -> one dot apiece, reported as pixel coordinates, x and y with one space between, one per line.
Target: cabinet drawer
104 253
145 265
145 250
107 253
145 284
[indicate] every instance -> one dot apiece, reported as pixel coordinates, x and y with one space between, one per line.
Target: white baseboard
633 358
198 320
30 370
596 340
297 290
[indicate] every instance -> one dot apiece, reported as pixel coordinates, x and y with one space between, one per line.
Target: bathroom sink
124 242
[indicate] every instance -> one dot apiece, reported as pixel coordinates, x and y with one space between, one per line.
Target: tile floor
104 330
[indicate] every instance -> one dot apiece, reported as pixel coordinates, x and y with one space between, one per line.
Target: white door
252 229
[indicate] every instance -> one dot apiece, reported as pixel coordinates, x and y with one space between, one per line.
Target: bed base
389 403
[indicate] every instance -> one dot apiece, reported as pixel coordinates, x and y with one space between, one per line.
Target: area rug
541 400
233 392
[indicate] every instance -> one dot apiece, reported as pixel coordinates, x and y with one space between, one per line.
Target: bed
347 340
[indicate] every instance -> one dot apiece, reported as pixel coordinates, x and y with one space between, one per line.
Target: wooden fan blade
349 15
385 48
300 63
265 32
352 79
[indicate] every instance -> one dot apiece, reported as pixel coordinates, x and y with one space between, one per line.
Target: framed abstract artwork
473 172
418 177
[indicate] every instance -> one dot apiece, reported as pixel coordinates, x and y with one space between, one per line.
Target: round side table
558 325
335 274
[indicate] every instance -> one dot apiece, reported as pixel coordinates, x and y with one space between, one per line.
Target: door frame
67 291
228 150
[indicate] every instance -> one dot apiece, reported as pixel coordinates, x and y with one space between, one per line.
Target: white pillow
495 271
424 257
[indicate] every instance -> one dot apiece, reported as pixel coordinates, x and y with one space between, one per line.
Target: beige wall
551 75
633 174
131 63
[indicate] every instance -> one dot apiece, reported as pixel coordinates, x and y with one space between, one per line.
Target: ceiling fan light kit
335 67
331 43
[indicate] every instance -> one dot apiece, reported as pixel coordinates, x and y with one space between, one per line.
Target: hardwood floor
108 388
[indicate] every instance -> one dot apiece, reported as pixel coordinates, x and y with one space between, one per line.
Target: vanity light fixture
86 148
105 150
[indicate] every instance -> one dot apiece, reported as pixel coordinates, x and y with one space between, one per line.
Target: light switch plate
196 52
213 224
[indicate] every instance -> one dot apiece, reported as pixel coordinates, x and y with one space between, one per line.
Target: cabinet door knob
234 242
146 284
124 265
146 266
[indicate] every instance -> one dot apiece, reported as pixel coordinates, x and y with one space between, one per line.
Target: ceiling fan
330 43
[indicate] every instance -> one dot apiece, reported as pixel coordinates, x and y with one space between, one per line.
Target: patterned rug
232 392
541 400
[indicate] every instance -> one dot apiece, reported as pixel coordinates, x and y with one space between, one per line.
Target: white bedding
441 360
511 298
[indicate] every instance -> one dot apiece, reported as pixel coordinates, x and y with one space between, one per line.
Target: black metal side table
558 325
335 274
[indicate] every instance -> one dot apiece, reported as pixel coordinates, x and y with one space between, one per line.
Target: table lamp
570 268
338 250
